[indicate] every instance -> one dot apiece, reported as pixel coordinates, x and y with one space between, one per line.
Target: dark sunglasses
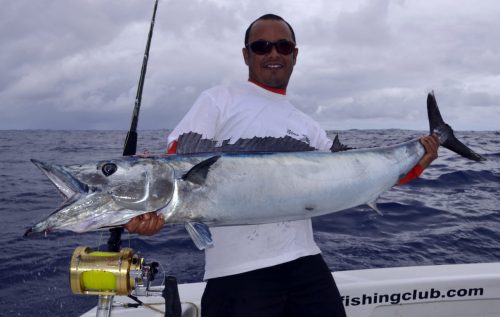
261 47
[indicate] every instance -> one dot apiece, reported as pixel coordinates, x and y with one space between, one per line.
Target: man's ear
295 53
245 55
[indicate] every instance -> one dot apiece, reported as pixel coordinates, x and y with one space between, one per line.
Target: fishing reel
111 273
124 273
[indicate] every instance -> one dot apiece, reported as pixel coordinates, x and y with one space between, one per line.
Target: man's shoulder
244 89
226 88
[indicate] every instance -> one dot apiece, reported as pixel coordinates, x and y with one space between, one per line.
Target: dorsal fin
191 142
338 147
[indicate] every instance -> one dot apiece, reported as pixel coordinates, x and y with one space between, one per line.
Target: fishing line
164 274
130 146
101 238
141 303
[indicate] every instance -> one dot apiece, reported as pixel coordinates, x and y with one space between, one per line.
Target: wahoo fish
250 181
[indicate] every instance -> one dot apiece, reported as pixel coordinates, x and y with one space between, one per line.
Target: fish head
106 193
140 184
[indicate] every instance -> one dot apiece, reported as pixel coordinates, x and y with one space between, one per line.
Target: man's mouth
273 66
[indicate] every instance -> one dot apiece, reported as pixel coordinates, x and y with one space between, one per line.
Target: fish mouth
47 225
33 231
62 179
79 197
95 201
71 189
82 213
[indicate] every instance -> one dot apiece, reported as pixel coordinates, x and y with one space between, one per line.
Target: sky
362 64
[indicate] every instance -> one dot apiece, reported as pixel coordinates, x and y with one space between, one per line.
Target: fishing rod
120 272
130 146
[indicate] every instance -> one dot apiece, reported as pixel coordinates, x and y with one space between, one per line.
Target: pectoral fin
200 234
198 174
373 205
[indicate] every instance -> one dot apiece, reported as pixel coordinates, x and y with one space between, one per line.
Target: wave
448 215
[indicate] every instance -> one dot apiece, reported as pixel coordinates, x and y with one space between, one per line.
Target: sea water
449 215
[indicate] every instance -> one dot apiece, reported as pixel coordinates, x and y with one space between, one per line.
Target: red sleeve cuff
414 173
172 148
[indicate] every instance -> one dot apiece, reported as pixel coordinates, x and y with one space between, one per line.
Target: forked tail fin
445 132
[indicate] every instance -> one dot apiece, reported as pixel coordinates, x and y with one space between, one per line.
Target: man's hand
146 224
431 145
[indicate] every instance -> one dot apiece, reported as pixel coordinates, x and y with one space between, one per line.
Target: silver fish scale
250 189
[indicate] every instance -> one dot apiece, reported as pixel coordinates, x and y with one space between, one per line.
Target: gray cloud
362 64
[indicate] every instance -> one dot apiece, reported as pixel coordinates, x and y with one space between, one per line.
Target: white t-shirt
243 111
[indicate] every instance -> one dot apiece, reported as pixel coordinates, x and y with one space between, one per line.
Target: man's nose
274 51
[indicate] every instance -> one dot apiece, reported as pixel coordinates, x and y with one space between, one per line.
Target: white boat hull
463 290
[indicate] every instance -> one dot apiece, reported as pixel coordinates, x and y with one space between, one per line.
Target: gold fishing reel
107 273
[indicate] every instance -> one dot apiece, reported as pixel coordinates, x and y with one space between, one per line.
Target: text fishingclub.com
414 295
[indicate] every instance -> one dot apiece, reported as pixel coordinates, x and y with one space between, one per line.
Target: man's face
272 69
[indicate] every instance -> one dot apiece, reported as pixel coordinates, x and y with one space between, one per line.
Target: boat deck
463 290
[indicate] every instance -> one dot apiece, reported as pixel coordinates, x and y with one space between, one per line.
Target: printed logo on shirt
304 138
290 132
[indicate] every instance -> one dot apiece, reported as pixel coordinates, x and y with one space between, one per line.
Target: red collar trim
280 91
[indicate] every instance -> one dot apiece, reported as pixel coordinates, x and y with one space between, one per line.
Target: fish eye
109 169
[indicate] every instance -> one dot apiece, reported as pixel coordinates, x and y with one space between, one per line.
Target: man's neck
280 91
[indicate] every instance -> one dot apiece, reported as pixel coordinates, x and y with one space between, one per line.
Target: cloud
362 64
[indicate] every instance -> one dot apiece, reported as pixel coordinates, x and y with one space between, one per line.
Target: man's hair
268 16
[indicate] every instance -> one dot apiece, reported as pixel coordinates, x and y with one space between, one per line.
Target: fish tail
445 132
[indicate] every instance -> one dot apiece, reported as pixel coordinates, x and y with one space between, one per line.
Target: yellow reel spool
103 273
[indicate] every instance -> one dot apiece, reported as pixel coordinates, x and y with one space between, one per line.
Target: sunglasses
262 47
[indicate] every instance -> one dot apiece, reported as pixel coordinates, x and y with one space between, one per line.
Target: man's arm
146 224
431 145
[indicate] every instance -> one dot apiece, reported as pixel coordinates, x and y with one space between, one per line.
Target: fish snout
38 228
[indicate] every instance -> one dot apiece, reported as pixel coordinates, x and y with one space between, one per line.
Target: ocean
449 215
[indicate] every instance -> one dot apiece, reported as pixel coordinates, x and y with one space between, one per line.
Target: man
270 269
